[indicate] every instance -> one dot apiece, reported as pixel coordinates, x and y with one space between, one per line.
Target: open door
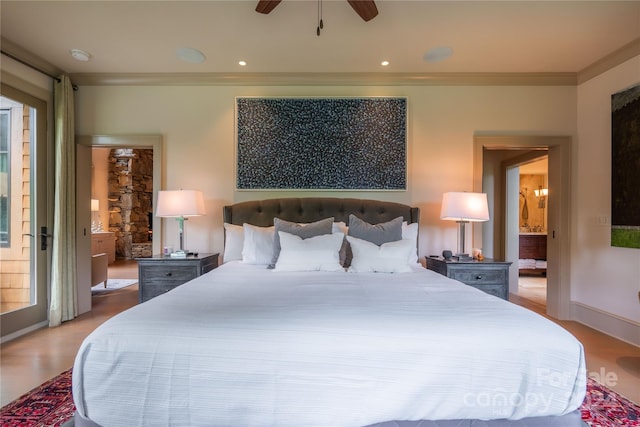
83 231
24 224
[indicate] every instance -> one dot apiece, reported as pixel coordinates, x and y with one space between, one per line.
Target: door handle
43 238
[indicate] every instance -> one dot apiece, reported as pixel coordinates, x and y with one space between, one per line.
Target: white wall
197 123
604 278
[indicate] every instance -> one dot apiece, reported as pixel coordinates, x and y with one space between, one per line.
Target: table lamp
180 204
464 208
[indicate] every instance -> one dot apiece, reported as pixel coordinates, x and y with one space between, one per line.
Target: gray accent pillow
305 231
377 234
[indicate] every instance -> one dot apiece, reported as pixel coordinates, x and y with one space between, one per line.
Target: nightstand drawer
490 276
171 273
479 277
160 274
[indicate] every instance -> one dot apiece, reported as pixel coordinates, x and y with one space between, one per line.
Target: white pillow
391 257
410 231
339 227
319 253
258 244
233 242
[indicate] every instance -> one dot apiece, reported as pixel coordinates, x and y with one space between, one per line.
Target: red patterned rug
51 404
602 407
48 405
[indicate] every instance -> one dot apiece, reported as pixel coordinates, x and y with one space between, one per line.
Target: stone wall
130 199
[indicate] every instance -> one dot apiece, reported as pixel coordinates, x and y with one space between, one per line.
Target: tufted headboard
309 209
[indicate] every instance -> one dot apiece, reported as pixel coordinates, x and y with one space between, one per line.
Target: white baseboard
22 332
610 324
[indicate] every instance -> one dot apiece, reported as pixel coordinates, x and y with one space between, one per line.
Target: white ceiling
486 37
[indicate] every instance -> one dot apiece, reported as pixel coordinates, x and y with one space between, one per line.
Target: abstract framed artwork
321 143
625 163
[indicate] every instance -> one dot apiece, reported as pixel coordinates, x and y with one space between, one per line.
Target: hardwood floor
610 361
28 361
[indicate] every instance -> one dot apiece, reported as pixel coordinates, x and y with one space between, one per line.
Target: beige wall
604 278
197 123
536 212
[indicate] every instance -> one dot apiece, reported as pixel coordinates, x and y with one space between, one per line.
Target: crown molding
325 79
626 52
17 53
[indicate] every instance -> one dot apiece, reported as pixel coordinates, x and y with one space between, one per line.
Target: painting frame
321 143
625 157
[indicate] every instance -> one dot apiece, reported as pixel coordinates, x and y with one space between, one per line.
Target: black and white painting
321 143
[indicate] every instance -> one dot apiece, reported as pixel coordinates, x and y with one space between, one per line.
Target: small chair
99 267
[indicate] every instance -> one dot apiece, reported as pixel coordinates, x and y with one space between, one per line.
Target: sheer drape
63 305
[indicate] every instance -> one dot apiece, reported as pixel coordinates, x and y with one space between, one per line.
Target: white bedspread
245 346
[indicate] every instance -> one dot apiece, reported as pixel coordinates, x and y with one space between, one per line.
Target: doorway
121 175
122 201
532 230
494 159
24 235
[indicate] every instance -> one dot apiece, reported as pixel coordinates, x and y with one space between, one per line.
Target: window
5 170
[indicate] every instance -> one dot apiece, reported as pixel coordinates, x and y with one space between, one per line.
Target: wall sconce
180 204
541 194
464 208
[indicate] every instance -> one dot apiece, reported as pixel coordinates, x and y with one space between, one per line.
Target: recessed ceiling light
189 54
80 55
438 54
242 63
384 63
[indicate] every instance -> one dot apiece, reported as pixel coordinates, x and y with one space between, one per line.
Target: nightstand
160 274
488 275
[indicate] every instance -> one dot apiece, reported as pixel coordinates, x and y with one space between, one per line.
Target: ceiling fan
365 8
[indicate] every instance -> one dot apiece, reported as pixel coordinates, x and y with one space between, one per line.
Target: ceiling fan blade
365 8
266 6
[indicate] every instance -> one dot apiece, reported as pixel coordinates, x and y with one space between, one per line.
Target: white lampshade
95 205
180 203
464 207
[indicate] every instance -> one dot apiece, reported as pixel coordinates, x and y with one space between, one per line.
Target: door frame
558 209
83 258
22 321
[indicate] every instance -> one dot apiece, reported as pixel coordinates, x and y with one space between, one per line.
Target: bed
244 345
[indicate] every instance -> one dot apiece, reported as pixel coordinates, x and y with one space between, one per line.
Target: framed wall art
625 160
321 143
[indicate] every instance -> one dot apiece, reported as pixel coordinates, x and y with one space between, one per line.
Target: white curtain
64 305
